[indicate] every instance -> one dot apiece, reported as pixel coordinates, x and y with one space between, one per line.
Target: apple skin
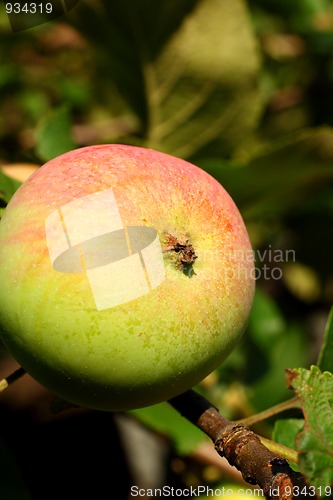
148 349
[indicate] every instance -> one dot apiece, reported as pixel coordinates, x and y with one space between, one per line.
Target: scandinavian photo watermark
266 264
24 15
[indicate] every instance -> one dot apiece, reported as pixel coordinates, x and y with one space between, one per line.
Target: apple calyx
183 254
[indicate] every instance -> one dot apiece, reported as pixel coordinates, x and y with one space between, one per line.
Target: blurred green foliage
242 89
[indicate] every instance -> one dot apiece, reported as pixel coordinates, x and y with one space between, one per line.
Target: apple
127 276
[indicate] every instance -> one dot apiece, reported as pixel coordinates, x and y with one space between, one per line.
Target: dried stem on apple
242 448
183 254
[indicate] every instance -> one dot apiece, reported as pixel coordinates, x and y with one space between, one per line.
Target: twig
243 449
284 452
292 403
5 382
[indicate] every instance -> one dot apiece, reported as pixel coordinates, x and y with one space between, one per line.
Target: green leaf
187 69
286 432
272 344
266 321
8 186
325 359
164 419
281 178
213 101
54 137
315 443
288 350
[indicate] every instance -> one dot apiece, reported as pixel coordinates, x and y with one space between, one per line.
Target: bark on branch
243 449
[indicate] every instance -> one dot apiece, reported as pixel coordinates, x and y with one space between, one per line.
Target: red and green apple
126 276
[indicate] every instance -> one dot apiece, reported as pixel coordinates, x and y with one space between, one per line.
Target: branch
237 443
243 449
5 382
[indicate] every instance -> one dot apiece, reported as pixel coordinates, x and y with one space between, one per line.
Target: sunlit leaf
315 442
187 69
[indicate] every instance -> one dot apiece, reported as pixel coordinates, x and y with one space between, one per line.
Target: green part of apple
127 276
